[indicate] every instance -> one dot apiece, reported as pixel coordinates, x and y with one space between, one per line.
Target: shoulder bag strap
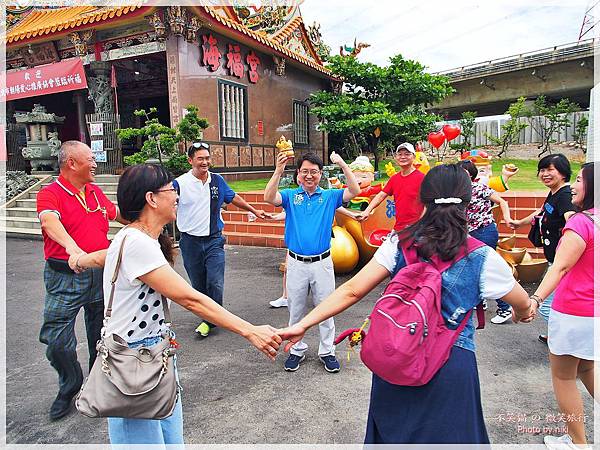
114 279
593 218
165 303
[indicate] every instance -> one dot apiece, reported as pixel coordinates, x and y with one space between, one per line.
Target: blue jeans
546 305
489 236
124 432
204 262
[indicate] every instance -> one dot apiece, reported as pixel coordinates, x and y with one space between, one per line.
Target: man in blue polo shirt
201 195
308 222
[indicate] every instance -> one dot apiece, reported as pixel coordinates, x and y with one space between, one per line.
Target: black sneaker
543 339
61 406
331 364
293 362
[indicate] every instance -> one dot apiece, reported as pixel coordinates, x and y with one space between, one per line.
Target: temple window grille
233 111
300 123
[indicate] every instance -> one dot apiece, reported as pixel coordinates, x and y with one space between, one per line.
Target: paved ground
232 394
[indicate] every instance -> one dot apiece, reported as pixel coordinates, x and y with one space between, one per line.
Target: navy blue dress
447 410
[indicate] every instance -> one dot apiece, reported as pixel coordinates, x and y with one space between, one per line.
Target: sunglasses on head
201 145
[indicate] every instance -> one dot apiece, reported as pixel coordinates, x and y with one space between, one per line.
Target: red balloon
451 131
377 236
436 138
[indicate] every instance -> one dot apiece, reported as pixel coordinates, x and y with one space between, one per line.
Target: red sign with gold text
67 75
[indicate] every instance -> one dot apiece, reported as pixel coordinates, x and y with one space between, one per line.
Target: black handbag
535 234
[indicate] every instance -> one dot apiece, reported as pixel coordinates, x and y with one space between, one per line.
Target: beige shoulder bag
133 383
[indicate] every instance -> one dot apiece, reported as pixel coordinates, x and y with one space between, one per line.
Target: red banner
67 75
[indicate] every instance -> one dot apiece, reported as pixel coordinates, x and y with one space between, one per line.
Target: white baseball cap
406 146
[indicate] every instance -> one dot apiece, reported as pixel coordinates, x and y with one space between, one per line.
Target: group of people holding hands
432 216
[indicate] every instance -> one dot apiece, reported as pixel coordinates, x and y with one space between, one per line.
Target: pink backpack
408 340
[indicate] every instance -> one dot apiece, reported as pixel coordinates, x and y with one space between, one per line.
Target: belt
210 236
60 265
309 259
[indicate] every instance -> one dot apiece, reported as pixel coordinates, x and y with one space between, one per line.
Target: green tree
547 119
467 125
161 141
580 134
389 99
511 130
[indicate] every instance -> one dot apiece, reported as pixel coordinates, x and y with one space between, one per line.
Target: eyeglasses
311 172
166 190
402 154
201 145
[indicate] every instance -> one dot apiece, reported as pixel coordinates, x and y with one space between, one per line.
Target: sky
449 34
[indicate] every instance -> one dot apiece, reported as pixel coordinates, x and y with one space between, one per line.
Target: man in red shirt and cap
404 186
74 215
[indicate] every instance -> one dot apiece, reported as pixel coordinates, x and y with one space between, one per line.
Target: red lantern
451 131
436 138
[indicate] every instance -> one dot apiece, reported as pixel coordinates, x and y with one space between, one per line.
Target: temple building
249 70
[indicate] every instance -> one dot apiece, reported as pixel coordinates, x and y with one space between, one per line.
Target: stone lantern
42 138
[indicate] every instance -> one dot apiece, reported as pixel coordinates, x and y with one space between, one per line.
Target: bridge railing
523 60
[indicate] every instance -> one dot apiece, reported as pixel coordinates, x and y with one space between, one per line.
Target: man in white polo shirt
201 195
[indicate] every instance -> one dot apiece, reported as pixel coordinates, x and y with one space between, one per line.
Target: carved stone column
101 92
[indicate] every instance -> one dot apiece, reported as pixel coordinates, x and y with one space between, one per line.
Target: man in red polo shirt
74 215
404 186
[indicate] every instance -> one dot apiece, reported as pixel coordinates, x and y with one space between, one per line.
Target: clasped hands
531 313
268 339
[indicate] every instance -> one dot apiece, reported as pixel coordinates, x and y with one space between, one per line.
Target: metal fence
530 134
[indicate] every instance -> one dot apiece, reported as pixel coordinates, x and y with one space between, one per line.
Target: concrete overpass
489 87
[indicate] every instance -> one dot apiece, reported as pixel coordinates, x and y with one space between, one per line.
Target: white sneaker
502 317
281 302
563 442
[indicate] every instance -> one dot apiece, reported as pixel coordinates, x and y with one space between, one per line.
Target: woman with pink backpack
431 396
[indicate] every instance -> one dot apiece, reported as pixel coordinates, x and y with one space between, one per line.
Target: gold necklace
82 201
140 226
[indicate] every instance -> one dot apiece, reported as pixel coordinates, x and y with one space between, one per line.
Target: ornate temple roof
40 22
278 28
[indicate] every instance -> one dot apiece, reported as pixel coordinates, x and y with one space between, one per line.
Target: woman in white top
147 198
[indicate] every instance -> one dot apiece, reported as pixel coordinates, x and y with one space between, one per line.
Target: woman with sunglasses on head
447 409
147 198
574 310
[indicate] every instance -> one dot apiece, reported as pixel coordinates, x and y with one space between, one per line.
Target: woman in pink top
571 322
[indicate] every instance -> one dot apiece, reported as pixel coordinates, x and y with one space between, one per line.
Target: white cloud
444 34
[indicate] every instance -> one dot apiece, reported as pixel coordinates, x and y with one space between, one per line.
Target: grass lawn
525 180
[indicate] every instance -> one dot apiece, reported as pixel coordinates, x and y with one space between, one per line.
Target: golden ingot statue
285 146
343 255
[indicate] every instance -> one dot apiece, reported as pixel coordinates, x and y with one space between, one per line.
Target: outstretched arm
495 197
170 284
374 203
243 204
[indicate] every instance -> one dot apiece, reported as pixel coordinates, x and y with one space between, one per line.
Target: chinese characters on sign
40 54
211 57
63 76
234 61
253 61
